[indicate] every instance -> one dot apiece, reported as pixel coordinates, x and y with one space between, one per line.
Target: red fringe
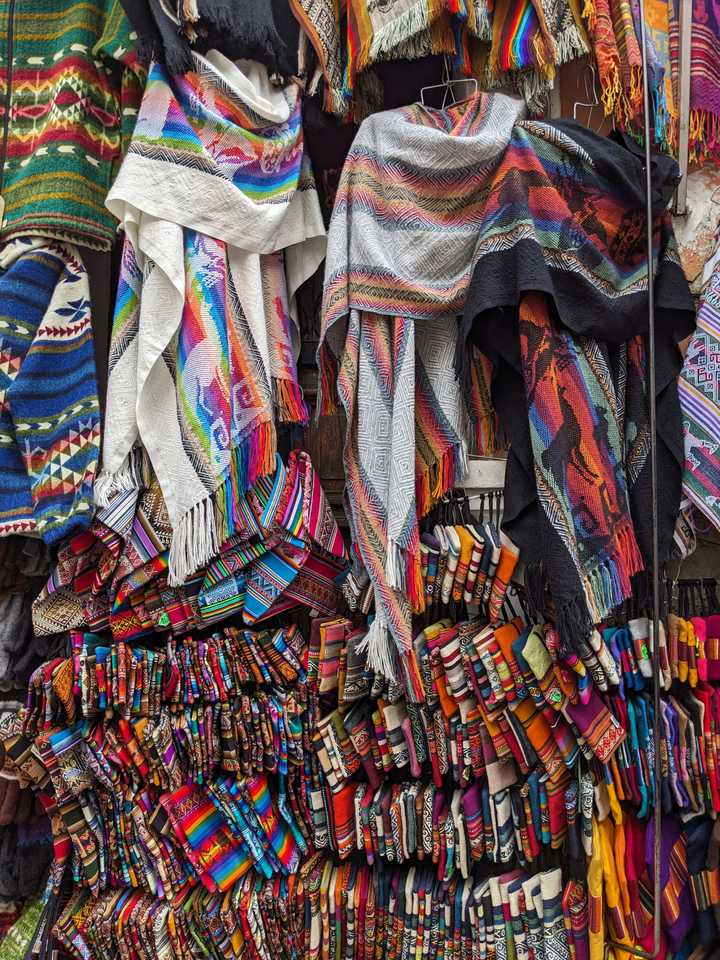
328 381
435 479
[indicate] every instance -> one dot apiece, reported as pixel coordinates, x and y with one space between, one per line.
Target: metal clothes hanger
447 82
590 104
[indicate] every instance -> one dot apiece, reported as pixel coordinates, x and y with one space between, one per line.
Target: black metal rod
655 574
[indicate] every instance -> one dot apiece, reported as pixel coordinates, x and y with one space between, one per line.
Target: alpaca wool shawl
401 249
558 302
213 191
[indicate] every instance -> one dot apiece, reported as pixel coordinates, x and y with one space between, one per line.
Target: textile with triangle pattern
49 407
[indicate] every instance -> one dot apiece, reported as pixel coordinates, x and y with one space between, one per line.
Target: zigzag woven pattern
69 116
49 408
410 207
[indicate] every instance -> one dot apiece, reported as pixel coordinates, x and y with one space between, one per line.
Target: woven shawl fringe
486 436
290 406
609 583
574 624
395 33
385 659
190 11
535 588
435 479
380 648
421 45
413 684
534 87
663 120
335 101
327 403
704 135
570 44
545 55
483 21
403 568
610 84
201 532
403 572
132 475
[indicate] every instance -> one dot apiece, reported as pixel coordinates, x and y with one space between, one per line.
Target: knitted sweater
67 101
49 408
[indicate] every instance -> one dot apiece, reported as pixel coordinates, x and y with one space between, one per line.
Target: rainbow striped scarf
530 39
202 359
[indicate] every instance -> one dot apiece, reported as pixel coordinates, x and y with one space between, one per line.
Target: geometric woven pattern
49 408
699 389
70 107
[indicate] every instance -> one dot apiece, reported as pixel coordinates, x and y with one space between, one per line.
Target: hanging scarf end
130 476
378 645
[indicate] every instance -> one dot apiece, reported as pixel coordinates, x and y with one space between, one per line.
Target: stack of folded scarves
186 765
500 709
352 911
163 768
513 749
286 550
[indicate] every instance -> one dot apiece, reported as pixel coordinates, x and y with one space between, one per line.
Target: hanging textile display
393 289
286 550
50 423
528 42
201 325
556 324
704 77
275 688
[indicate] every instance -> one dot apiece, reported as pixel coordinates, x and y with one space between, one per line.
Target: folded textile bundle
454 830
286 550
505 719
160 768
343 910
136 681
502 717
